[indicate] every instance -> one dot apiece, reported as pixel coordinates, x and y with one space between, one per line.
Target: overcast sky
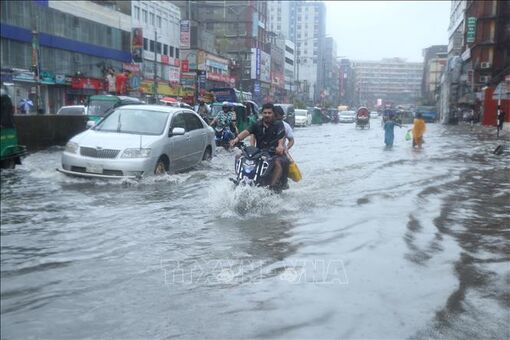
371 30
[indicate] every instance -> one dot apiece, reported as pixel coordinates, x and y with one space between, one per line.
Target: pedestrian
389 126
418 130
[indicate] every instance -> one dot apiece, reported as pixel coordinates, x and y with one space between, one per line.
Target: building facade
392 80
52 52
346 83
435 58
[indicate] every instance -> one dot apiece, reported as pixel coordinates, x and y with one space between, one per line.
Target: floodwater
372 243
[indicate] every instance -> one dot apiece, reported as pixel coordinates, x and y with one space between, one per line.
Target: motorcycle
254 167
223 136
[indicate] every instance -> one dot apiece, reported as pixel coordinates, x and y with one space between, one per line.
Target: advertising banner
174 74
137 44
255 63
185 66
185 34
265 66
471 30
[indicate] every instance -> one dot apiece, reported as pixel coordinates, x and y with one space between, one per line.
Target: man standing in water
269 134
389 135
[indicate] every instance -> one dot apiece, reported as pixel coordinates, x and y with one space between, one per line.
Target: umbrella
168 100
25 104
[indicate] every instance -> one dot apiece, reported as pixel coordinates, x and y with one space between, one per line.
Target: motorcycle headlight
72 147
249 168
136 153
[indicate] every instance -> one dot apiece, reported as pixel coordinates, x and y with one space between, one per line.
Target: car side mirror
90 124
177 131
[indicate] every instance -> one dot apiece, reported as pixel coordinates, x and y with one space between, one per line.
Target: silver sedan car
140 140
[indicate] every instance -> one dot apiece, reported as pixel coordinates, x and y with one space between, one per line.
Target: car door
198 136
179 144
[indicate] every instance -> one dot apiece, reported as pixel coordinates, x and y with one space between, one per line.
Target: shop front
81 88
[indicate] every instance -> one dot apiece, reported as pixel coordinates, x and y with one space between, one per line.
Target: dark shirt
267 137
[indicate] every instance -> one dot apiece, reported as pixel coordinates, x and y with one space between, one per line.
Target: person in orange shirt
418 130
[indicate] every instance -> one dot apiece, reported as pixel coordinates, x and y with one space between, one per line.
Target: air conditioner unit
485 65
484 79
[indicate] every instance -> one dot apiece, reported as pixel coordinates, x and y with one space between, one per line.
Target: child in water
389 136
418 130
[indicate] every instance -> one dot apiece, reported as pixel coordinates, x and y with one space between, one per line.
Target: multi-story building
346 83
244 41
392 80
66 43
309 30
289 67
456 27
330 90
279 17
435 58
159 22
487 53
277 52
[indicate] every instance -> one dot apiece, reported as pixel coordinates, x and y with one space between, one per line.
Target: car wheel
207 154
161 166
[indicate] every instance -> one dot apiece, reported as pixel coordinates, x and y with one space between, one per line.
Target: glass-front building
73 51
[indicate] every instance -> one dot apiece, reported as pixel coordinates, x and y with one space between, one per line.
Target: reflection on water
372 243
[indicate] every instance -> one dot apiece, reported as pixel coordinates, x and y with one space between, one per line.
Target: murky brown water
371 244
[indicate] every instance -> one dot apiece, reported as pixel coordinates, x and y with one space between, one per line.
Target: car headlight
136 153
72 147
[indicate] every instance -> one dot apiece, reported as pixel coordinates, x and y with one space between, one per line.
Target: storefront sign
471 30
202 76
165 59
219 77
60 79
188 79
24 76
185 37
86 83
185 66
47 78
133 68
174 74
466 54
137 44
255 63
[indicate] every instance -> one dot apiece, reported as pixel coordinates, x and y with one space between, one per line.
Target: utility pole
36 68
155 84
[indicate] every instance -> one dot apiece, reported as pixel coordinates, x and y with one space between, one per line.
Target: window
159 21
151 46
171 51
137 13
158 48
144 15
152 19
145 44
165 49
192 122
176 53
178 121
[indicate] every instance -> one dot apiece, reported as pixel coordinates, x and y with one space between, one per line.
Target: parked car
289 117
72 110
302 117
139 140
347 117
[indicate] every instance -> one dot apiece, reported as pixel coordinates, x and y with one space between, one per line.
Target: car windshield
75 111
300 113
136 121
99 107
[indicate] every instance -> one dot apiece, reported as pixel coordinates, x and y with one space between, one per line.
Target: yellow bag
294 173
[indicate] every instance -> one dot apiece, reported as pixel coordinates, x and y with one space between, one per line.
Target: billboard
255 64
265 66
137 44
185 37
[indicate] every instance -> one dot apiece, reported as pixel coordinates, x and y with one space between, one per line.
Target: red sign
164 59
185 66
87 83
219 77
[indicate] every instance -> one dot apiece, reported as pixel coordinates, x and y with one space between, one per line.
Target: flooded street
372 243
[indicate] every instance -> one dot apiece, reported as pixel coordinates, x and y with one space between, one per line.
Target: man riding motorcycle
270 135
225 123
